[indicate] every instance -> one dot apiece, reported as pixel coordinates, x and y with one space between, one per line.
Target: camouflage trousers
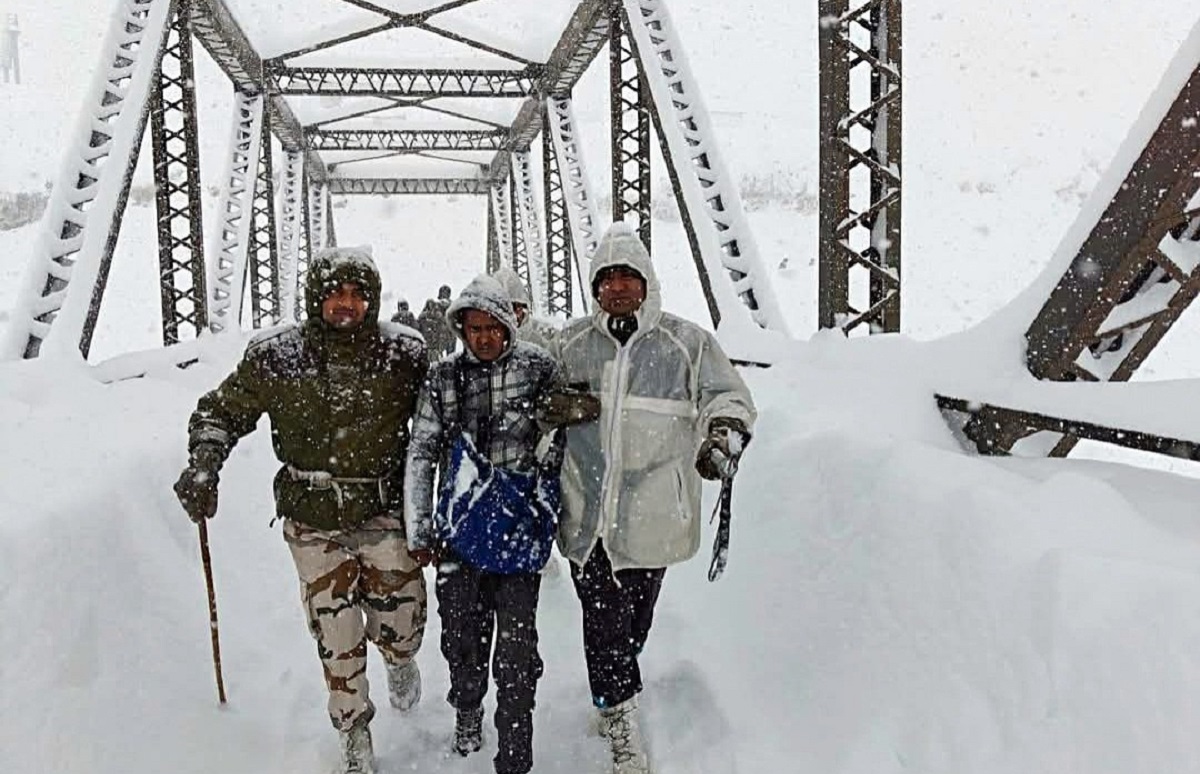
358 585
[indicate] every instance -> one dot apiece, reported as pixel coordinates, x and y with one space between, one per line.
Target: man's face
486 336
521 311
621 291
345 308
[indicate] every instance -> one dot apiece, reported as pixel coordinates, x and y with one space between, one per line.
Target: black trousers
473 605
617 615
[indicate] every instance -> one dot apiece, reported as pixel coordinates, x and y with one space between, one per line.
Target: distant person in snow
433 326
404 315
529 328
675 411
489 396
340 389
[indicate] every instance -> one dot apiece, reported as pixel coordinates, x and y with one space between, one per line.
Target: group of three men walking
640 404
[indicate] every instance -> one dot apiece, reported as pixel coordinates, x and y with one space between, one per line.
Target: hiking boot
404 684
468 731
358 757
625 738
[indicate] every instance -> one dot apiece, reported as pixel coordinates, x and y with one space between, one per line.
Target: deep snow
891 603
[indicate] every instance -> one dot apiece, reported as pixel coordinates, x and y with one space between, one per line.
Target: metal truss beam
577 188
707 193
492 261
860 164
500 200
558 230
586 34
264 249
318 208
225 41
304 236
526 208
520 253
177 187
439 186
232 242
56 312
290 215
380 82
629 104
1137 269
406 140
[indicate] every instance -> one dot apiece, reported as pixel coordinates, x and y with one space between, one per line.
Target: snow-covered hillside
891 605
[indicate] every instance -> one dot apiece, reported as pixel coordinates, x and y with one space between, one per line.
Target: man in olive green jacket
340 389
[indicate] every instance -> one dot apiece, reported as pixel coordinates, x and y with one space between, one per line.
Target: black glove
563 407
720 451
197 484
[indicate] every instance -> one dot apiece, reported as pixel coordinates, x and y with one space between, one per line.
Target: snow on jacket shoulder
630 478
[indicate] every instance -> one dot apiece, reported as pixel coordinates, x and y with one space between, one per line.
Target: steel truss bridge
1124 286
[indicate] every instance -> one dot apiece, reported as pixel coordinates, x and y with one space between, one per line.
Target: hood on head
621 246
487 295
334 265
513 284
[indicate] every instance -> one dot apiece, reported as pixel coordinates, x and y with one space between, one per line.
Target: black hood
335 265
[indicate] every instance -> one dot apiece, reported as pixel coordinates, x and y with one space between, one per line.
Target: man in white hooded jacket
671 405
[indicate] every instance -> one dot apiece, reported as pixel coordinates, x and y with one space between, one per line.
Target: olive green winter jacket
339 404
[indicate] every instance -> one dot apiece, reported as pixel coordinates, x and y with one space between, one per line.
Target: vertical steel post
558 226
630 116
264 242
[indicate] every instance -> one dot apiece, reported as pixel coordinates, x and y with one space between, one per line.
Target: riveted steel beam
355 186
405 140
394 82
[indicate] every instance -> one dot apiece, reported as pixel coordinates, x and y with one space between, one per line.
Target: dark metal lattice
860 164
493 241
264 241
559 246
384 186
630 115
177 186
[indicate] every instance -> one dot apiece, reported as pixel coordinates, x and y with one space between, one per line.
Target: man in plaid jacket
494 390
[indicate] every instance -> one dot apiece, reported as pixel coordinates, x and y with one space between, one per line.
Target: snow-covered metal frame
629 107
236 211
520 248
531 227
384 82
558 229
577 187
860 128
705 190
56 313
318 210
264 249
406 139
182 269
501 203
290 216
304 234
408 186
493 242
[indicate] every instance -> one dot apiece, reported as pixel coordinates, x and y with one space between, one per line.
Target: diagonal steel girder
225 41
397 82
581 42
406 140
1139 266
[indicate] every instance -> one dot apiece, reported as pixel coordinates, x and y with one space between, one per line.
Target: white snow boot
404 685
358 756
625 738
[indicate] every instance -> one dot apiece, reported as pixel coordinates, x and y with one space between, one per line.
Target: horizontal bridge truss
406 140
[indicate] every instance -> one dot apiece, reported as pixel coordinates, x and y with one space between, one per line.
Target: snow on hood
486 294
621 246
512 283
334 265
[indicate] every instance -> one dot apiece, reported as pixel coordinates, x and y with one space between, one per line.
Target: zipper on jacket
611 474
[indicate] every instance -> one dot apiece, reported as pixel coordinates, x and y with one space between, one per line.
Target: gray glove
566 406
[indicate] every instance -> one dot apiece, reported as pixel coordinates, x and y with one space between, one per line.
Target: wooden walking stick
212 607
